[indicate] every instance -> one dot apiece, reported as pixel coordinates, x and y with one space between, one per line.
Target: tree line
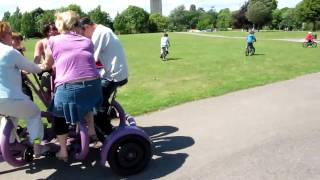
258 14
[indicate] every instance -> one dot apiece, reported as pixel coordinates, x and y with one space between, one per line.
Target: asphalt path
267 132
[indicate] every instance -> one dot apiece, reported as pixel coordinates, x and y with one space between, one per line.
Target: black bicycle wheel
247 52
314 44
129 155
305 45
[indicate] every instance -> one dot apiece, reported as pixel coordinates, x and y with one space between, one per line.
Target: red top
309 37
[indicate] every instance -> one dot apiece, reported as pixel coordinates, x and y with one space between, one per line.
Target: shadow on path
164 161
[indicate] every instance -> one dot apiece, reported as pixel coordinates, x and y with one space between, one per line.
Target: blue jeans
74 100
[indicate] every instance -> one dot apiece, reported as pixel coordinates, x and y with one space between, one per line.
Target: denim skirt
74 100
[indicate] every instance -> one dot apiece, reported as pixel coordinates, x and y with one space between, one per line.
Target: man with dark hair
48 30
39 50
111 60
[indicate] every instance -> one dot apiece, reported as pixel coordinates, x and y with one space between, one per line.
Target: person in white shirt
13 102
109 52
164 44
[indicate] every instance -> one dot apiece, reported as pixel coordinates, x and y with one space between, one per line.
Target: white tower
156 6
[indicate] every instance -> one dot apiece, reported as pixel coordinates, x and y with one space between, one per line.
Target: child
309 38
251 39
164 44
17 44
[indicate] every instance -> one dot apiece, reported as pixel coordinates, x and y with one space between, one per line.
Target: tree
309 11
224 19
158 23
178 19
290 19
192 7
240 19
134 20
207 20
15 20
276 19
260 11
73 7
37 12
100 17
270 4
6 16
45 18
259 14
27 25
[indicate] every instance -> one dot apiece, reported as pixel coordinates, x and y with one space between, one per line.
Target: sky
114 6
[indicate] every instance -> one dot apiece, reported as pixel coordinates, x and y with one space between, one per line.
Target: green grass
200 67
263 34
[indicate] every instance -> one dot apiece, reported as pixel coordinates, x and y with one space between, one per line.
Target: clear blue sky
114 6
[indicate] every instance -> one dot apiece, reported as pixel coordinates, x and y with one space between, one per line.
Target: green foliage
27 25
258 13
15 20
192 18
6 16
119 24
192 7
309 11
290 19
207 20
178 19
239 17
224 19
73 7
158 23
132 20
270 4
45 18
135 20
100 17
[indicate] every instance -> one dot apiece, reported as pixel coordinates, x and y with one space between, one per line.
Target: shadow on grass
259 54
173 59
164 160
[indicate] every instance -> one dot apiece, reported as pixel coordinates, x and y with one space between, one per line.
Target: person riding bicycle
309 38
251 39
13 102
112 63
164 44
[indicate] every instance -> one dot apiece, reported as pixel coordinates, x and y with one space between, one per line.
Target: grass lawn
200 67
264 34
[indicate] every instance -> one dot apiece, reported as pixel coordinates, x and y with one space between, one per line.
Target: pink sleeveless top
73 57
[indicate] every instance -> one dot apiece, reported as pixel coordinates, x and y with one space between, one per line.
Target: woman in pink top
77 83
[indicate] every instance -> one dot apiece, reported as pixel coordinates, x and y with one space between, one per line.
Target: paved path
268 132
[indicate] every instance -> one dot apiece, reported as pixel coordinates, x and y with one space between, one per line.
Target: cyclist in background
309 38
251 39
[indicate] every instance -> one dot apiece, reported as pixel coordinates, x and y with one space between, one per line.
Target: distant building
155 6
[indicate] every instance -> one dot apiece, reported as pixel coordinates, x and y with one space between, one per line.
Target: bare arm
48 62
24 64
38 51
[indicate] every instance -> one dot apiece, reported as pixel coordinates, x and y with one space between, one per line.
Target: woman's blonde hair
66 21
4 29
